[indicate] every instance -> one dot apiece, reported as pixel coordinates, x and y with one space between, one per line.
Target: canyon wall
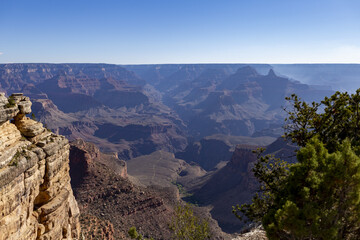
36 199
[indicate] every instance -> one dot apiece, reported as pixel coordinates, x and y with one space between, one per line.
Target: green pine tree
318 197
186 226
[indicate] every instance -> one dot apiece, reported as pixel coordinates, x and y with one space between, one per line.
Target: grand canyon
142 138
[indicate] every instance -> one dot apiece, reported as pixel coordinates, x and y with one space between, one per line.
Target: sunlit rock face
36 199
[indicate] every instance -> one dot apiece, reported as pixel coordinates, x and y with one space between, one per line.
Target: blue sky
180 31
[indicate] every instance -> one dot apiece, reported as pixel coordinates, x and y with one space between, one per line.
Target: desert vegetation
184 226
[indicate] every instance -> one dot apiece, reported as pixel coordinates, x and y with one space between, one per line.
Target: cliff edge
36 199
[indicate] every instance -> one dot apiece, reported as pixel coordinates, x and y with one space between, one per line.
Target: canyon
142 138
111 201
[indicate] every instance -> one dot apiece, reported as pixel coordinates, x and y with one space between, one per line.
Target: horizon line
190 63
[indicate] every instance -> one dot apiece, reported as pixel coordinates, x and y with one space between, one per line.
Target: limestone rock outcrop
36 199
254 234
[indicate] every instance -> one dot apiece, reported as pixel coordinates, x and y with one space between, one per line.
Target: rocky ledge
254 234
36 199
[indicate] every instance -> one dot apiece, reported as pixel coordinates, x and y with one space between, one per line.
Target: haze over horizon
163 32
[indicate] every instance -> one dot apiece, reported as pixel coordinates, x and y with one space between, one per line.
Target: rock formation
212 150
36 199
253 234
231 185
90 100
235 183
110 204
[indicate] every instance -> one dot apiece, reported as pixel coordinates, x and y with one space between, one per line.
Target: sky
180 31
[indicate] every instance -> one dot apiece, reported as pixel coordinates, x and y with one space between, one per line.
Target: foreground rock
254 234
36 199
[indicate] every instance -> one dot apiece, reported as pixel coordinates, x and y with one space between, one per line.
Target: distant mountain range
104 104
138 109
341 77
232 99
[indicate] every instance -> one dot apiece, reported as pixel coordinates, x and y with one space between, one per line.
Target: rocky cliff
36 199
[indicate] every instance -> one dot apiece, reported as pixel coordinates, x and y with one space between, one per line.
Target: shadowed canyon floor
112 203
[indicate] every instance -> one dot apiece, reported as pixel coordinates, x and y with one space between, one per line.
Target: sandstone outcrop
36 199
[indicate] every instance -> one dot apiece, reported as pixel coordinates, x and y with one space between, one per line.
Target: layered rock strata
36 199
